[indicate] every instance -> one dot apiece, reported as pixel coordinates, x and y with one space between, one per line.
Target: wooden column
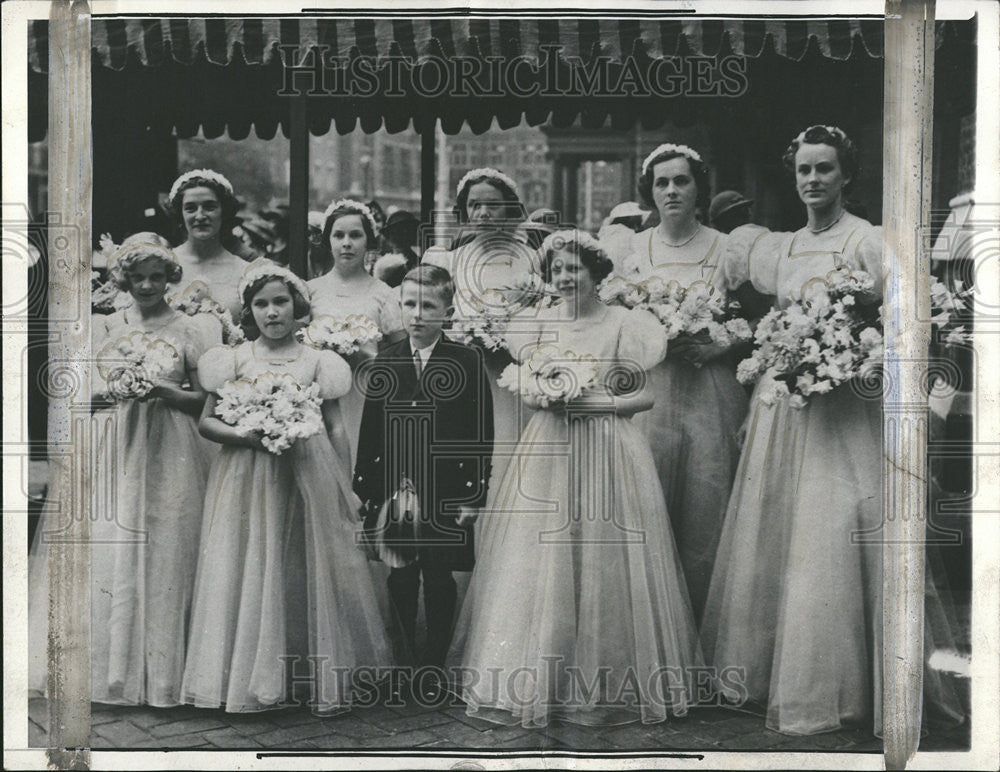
298 185
69 239
909 108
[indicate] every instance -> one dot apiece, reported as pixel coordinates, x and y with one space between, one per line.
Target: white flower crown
834 130
567 238
262 267
486 171
357 206
205 174
669 147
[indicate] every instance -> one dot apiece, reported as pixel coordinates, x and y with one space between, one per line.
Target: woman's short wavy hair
591 255
699 170
847 151
230 206
143 247
301 307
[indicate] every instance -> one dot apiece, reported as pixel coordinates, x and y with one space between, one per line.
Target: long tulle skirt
283 593
693 431
796 598
577 608
148 487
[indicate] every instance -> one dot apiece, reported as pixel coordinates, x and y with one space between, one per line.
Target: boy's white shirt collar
426 351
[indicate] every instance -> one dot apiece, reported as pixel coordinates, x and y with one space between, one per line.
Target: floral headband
669 147
834 130
203 174
488 172
351 205
567 238
262 267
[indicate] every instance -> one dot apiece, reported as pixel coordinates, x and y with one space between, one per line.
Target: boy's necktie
418 363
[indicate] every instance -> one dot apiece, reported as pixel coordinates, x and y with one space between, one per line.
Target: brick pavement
446 727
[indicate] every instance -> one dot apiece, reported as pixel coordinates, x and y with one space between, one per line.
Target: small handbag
396 530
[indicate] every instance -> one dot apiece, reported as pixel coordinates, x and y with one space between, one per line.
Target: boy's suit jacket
438 432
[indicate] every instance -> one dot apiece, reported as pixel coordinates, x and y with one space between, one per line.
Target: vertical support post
986 524
70 187
909 107
428 178
571 200
298 185
558 191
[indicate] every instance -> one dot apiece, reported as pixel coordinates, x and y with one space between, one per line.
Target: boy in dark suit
428 418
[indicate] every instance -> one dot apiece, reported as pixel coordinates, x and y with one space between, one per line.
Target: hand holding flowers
271 410
132 365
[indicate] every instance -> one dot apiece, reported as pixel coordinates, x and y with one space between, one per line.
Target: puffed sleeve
749 254
216 367
208 330
641 339
868 253
390 318
333 375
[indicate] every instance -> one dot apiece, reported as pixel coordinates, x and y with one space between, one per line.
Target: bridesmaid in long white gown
349 233
148 487
694 425
281 587
487 256
203 202
795 600
578 583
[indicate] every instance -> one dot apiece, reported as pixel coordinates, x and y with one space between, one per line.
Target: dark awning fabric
217 75
154 41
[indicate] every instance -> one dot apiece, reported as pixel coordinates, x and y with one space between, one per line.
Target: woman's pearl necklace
686 241
827 227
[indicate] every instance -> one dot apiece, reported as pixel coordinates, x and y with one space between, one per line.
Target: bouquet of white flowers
273 405
494 310
344 335
551 375
132 364
106 298
197 299
699 310
817 343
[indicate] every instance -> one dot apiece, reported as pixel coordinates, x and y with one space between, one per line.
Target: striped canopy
257 40
220 75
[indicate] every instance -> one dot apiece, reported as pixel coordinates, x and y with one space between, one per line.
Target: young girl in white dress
577 608
349 233
148 490
796 594
280 576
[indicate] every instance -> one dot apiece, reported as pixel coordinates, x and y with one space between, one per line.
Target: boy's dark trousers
440 595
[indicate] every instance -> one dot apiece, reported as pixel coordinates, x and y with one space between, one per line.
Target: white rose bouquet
699 310
344 335
274 406
551 376
494 310
132 364
197 299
